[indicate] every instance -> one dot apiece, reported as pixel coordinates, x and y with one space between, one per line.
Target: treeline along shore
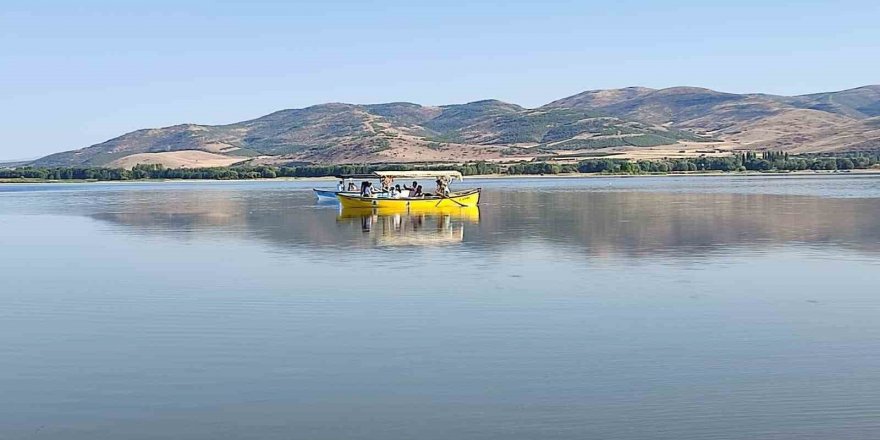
768 161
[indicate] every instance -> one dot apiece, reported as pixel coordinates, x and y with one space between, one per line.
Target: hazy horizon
96 70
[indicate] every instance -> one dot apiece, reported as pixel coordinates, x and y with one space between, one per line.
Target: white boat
329 195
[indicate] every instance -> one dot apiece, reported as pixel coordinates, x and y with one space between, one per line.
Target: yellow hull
456 200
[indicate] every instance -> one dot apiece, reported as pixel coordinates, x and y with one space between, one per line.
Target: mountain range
674 120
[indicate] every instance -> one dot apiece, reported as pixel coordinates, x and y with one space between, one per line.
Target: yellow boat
461 199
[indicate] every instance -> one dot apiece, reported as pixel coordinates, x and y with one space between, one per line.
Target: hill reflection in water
598 223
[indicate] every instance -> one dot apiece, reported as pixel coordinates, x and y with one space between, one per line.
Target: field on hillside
176 159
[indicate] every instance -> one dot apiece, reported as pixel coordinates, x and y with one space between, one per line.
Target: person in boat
413 187
352 186
368 190
416 192
386 183
340 186
442 187
395 192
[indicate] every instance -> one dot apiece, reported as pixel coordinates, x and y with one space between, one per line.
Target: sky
76 73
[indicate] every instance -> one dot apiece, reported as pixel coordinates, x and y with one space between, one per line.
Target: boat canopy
356 176
420 174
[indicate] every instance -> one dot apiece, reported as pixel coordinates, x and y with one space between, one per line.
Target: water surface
614 308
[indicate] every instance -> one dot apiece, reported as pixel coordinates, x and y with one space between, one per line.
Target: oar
449 198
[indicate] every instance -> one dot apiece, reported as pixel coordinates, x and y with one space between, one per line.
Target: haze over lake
726 307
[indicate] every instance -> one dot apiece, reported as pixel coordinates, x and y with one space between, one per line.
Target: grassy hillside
861 102
748 120
333 133
633 117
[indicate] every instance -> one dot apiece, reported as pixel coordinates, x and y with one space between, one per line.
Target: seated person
413 187
395 192
417 192
367 190
352 186
404 193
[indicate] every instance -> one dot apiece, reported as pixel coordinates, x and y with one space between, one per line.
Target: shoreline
679 174
868 171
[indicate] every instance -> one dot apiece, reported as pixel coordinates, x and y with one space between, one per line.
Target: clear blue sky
74 73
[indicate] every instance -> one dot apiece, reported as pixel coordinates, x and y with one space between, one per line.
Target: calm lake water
607 308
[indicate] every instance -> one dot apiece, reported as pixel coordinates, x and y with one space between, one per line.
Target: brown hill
808 123
861 102
598 120
397 132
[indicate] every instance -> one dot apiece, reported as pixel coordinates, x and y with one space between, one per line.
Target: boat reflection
411 228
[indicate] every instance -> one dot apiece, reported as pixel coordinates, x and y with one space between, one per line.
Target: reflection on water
663 308
633 224
410 228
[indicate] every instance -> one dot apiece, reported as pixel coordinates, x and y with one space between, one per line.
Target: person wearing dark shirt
367 189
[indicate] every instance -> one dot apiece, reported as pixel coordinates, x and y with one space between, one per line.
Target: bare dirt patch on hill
177 159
